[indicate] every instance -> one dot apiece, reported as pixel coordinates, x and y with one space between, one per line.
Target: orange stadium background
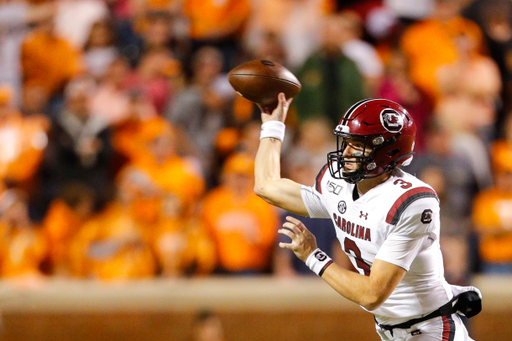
127 209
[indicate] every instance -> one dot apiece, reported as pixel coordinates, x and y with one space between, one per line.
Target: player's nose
349 150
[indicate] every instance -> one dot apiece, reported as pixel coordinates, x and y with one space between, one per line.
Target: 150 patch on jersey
426 216
333 188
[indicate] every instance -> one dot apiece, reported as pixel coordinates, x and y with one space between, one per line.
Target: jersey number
404 184
349 246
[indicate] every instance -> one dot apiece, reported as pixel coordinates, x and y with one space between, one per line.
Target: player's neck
365 185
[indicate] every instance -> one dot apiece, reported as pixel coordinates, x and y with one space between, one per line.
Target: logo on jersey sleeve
426 216
342 207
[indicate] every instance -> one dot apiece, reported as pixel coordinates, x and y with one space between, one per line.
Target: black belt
468 303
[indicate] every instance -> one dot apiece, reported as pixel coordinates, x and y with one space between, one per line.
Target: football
260 81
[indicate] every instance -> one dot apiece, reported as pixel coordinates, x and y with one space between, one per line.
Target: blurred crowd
125 153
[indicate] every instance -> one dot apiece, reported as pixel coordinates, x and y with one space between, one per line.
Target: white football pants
442 328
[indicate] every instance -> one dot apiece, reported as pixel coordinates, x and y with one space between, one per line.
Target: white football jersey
397 222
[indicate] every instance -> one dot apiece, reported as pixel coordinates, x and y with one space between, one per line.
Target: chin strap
395 163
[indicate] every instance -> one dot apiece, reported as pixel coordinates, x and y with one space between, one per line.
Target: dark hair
75 193
203 315
155 15
112 41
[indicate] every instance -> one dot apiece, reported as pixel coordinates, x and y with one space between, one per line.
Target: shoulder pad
405 200
319 178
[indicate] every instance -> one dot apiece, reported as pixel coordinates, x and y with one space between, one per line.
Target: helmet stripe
352 109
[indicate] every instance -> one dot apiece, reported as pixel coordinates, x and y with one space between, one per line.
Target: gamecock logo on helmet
391 120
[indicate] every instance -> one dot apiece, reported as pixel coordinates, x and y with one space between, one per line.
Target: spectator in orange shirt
242 225
180 243
215 20
170 241
22 141
201 242
48 60
23 247
217 23
430 43
126 137
492 211
16 19
115 245
64 218
160 161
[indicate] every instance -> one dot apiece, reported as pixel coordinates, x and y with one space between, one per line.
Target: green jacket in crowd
329 87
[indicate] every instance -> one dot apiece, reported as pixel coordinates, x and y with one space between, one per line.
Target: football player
386 220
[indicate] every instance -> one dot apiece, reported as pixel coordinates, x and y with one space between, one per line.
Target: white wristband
273 129
318 261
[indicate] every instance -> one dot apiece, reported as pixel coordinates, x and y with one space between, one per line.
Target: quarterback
387 222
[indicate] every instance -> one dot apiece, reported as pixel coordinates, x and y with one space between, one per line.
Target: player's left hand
303 241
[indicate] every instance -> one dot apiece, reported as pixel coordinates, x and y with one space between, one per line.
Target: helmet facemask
364 163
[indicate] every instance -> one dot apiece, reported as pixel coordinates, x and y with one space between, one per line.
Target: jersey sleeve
314 202
313 197
412 231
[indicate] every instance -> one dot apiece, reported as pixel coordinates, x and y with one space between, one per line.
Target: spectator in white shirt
361 52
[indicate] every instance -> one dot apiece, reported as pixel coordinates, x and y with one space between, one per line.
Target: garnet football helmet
387 131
